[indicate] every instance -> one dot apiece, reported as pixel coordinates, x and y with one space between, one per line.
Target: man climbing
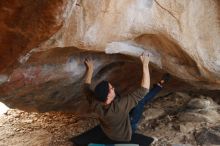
118 116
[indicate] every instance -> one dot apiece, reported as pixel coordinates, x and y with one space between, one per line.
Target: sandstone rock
28 121
187 127
200 110
202 103
3 108
209 136
181 145
184 33
37 72
35 138
152 113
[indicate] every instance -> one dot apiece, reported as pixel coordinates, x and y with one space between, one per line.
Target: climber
118 116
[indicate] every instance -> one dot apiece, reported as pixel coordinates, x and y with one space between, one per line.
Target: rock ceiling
44 44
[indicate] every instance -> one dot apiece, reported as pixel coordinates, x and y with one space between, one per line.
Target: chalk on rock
3 108
3 78
128 49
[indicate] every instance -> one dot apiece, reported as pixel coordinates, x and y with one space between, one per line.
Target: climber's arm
132 99
145 83
89 72
88 78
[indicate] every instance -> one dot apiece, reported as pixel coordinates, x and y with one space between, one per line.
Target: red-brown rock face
24 24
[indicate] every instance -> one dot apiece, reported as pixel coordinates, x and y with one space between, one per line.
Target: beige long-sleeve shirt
114 118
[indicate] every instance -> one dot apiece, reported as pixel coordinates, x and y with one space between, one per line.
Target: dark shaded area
52 80
209 136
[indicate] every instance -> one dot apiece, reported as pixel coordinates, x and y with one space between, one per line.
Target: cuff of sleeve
143 90
86 84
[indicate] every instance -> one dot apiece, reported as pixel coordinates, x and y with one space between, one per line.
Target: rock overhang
182 37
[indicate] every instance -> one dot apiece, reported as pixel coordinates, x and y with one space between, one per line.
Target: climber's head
105 92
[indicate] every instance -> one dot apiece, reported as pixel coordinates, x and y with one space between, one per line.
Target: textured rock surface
201 110
41 70
51 80
25 24
16 127
185 33
209 136
176 125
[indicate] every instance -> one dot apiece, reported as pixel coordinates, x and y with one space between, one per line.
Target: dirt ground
160 120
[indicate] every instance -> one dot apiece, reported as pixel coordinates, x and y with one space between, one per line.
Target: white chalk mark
3 108
129 49
73 67
24 58
3 78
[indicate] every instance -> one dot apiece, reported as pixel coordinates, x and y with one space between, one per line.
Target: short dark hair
101 91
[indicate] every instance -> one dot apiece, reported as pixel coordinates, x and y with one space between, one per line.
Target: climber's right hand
145 59
89 64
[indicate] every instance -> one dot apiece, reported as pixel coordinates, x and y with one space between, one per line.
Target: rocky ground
177 120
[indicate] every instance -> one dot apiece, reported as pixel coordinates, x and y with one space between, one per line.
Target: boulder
41 67
209 136
202 109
